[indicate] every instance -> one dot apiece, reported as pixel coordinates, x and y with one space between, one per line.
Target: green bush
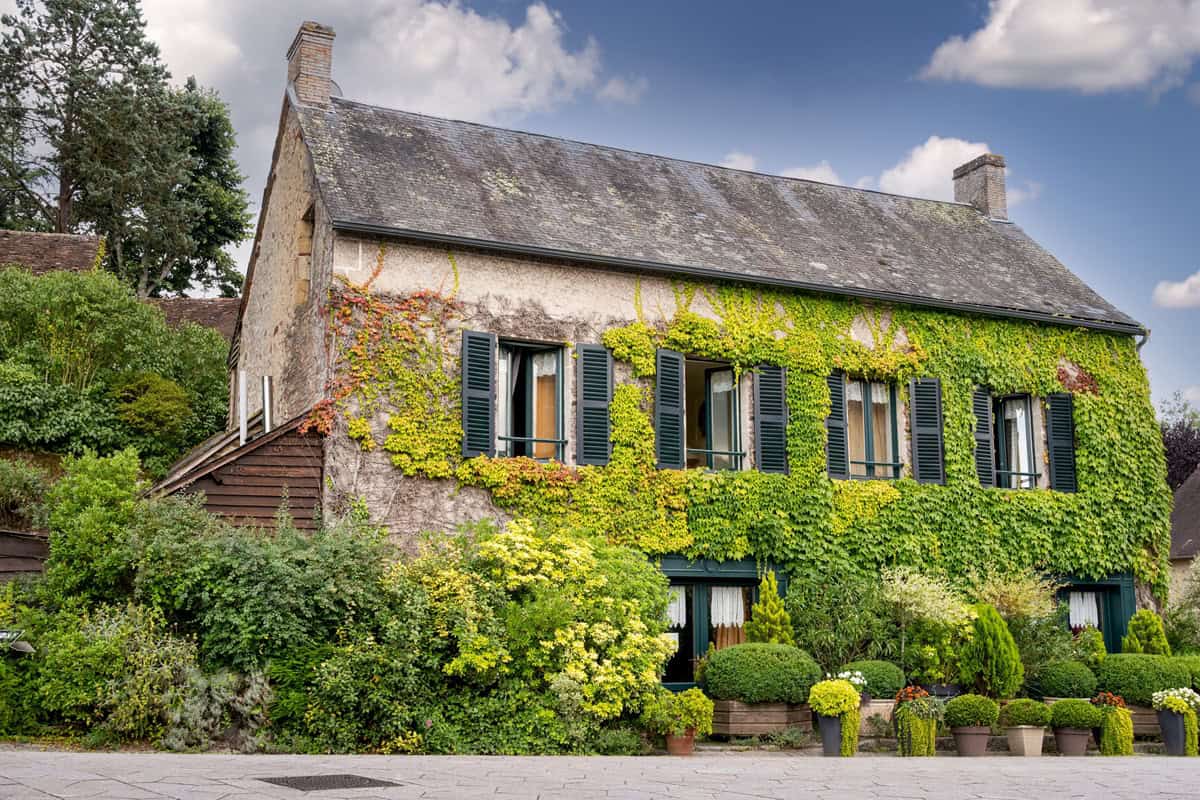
1025 712
1074 713
1066 679
971 711
989 661
761 673
1089 648
1146 635
1042 641
1192 665
817 607
883 678
23 488
1116 731
769 622
674 714
1136 677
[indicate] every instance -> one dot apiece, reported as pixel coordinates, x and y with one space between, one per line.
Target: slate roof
393 172
1185 519
48 252
218 313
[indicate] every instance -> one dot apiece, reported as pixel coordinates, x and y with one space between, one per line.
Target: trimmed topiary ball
1025 712
883 678
1136 677
761 673
971 711
1074 713
1067 679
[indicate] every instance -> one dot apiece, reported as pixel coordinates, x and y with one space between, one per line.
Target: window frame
529 349
1004 476
869 463
737 456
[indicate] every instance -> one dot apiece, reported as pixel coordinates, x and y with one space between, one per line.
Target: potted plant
1025 722
1073 720
970 718
1177 719
915 719
835 703
679 718
1115 734
759 688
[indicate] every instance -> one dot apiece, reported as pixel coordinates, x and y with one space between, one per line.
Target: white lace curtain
677 607
1084 609
726 606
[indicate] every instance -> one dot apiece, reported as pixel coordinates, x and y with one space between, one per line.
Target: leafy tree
1146 635
769 621
1180 424
989 661
92 138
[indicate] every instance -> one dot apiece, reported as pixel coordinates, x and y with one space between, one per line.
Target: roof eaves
372 229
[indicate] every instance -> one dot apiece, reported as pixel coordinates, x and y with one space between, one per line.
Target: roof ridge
631 151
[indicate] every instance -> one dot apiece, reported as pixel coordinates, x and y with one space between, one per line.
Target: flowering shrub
853 677
1172 699
1109 699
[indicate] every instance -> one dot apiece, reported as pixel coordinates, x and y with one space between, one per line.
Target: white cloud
817 172
623 90
926 170
193 41
1179 294
1192 395
1086 45
739 160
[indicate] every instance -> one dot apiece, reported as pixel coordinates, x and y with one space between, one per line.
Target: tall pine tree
769 620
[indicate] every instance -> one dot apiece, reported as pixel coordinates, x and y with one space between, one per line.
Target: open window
703 613
871 429
712 418
1014 443
529 403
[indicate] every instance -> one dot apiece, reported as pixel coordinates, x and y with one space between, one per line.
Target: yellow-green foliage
1118 521
1116 731
769 620
916 735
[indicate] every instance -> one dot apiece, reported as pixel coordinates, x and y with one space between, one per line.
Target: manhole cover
317 783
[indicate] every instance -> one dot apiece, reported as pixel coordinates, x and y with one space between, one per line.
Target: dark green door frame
1118 601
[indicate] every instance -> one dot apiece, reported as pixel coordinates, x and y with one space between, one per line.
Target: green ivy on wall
1117 521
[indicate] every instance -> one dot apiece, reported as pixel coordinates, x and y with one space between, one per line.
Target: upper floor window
1014 443
529 405
871 429
712 416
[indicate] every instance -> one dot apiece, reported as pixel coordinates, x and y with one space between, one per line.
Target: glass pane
545 403
723 407
856 431
681 667
729 608
1017 441
881 428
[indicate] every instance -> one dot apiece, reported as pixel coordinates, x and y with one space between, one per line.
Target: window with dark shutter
985 453
770 419
669 410
478 393
925 397
837 451
594 395
1060 434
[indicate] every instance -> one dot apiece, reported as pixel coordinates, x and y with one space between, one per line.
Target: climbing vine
397 358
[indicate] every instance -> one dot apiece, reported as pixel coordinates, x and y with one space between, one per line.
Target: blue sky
1095 104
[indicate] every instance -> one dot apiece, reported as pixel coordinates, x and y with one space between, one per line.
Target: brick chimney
980 182
310 61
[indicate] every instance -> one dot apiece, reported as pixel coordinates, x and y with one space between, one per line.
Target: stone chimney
310 61
980 182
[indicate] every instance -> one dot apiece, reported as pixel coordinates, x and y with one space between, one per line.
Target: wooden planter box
1145 720
732 718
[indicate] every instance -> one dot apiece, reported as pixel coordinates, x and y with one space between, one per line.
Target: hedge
761 673
1067 679
1137 676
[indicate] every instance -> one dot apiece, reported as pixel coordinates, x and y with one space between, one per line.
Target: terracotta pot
1025 740
1072 741
682 745
1173 734
971 741
831 735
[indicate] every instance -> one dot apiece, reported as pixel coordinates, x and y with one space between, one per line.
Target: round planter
682 745
971 741
943 690
1026 740
831 735
1173 736
1072 741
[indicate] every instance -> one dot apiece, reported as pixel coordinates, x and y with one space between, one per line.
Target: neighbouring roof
218 313
386 172
1185 519
48 252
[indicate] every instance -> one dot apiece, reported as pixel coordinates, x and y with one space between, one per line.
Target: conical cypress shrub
990 662
769 621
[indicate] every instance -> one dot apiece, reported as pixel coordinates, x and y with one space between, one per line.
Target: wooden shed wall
250 488
21 553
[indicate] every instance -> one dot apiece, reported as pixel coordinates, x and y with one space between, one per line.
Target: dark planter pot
943 690
682 745
971 741
1072 741
1173 736
831 735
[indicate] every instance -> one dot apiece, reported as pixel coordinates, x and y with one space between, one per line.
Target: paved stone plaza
31 775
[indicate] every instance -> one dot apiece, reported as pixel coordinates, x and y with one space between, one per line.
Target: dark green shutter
925 398
985 445
669 410
1060 433
837 449
593 393
770 419
478 393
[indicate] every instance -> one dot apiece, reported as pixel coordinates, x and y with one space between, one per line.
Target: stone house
726 369
1185 530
